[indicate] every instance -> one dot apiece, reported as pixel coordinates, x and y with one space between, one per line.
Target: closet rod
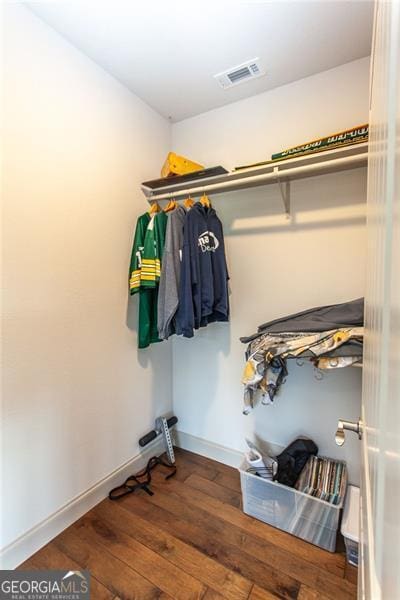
288 174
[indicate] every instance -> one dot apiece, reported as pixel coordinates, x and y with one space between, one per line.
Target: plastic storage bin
304 516
350 524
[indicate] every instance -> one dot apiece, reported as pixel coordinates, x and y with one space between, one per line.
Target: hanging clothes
137 252
153 251
147 307
145 272
203 290
168 292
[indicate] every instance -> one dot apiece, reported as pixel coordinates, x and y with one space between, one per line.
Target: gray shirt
168 291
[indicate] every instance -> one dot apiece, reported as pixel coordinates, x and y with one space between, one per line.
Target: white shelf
281 172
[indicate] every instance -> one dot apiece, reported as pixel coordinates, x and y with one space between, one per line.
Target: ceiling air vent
244 72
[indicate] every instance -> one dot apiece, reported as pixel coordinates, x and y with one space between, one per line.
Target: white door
380 492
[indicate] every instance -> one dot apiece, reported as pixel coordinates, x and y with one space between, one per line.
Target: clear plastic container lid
351 514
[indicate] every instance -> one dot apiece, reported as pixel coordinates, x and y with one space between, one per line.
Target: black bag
293 459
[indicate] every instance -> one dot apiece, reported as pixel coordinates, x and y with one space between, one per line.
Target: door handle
350 426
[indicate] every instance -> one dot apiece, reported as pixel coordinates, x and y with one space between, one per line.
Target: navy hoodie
203 291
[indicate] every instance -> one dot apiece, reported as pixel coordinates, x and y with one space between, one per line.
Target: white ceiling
167 51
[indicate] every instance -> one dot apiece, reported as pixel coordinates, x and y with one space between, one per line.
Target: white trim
32 540
221 454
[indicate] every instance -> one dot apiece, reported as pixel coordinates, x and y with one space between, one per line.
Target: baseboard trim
30 542
222 454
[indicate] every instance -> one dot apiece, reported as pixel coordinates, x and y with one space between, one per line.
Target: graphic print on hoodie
203 291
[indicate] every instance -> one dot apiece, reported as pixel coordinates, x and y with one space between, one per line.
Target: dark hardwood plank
351 573
203 539
208 469
229 480
226 476
192 541
186 468
212 595
50 557
151 565
215 490
258 593
210 572
307 593
271 554
331 562
190 457
110 571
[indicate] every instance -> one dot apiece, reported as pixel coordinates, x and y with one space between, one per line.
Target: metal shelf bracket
284 189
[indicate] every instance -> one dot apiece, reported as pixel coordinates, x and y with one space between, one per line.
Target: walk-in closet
200 300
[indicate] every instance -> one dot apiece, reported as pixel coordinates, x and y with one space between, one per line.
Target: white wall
76 393
76 397
278 267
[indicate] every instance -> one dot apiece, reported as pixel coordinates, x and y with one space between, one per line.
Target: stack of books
323 478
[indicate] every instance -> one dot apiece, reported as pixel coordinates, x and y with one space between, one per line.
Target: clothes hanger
188 203
205 200
154 208
170 206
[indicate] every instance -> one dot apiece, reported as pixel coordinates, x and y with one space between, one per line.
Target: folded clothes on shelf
331 336
317 319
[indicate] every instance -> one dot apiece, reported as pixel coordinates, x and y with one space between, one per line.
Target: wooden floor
191 540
